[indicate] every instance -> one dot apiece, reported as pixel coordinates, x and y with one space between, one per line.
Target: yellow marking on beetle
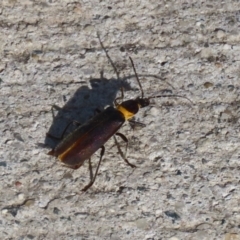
62 155
125 112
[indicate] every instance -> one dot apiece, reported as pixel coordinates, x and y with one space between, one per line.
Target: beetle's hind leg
120 151
93 178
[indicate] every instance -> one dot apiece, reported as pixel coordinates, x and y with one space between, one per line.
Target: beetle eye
143 102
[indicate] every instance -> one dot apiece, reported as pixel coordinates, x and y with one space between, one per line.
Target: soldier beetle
85 140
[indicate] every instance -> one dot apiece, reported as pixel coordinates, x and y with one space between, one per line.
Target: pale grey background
186 185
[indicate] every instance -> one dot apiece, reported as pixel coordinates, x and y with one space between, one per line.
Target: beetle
85 140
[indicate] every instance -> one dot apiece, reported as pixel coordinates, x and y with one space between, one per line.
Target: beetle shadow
82 106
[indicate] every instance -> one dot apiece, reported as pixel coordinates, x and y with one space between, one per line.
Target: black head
143 102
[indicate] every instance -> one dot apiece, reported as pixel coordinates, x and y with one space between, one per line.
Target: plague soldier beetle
82 143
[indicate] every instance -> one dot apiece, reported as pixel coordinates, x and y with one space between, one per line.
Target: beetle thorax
128 108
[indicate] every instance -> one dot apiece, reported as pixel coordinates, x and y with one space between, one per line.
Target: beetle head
143 102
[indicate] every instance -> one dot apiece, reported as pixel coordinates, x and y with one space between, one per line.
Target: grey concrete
186 184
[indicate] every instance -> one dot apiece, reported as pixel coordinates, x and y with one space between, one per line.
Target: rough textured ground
186 185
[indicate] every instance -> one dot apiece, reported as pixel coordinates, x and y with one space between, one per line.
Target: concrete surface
186 185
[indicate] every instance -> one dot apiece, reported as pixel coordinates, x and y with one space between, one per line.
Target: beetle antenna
139 83
109 59
174 95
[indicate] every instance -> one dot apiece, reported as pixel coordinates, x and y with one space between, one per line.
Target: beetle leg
133 123
120 151
91 173
90 168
